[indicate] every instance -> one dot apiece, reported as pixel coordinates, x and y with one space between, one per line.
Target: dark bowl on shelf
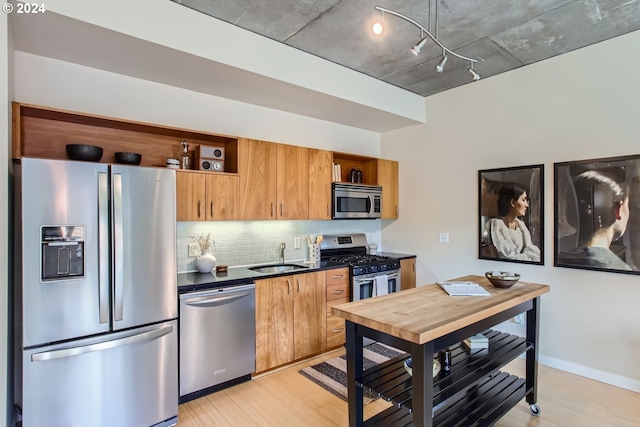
88 153
502 279
127 158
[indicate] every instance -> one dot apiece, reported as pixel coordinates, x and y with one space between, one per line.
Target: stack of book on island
477 341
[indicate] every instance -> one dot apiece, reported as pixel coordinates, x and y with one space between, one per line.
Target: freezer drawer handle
107 345
209 302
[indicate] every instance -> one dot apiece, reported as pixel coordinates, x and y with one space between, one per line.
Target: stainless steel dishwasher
217 339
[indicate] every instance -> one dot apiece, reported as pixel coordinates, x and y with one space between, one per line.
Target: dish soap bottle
185 160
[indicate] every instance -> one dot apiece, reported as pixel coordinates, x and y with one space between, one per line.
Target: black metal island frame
425 321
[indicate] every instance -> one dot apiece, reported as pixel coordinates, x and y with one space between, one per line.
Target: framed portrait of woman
511 214
597 214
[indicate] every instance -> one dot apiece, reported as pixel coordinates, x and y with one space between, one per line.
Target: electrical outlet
296 243
519 319
193 249
444 237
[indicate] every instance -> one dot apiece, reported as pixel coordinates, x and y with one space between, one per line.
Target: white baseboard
594 374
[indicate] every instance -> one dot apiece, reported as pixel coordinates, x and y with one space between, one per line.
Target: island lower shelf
474 392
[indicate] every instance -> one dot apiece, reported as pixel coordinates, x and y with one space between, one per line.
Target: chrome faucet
283 246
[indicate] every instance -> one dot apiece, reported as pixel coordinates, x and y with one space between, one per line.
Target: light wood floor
287 399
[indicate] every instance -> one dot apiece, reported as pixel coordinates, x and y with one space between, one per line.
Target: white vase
205 263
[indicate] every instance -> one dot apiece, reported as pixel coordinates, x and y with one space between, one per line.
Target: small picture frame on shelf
511 214
597 214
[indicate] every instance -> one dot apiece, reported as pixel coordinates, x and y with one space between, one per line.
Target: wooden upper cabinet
293 182
388 180
320 177
222 197
190 196
206 196
257 162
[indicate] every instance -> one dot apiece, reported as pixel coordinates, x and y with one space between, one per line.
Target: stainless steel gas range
371 275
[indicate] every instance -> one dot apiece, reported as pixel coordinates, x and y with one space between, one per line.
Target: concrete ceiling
501 34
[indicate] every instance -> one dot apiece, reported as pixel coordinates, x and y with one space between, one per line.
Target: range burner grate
359 258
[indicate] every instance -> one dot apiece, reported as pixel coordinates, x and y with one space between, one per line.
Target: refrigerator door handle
103 242
102 346
118 247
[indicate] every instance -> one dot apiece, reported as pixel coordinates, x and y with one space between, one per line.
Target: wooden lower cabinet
337 293
290 318
408 273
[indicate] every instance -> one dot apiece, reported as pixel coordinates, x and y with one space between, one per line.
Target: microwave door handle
370 204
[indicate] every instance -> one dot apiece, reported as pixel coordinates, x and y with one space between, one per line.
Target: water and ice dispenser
62 252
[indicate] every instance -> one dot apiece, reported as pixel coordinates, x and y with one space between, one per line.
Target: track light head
474 75
416 49
440 66
377 28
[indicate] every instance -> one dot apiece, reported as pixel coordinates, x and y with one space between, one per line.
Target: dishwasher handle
216 300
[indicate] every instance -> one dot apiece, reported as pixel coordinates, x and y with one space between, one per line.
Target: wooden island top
426 313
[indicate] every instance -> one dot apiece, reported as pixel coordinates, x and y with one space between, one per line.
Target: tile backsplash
241 243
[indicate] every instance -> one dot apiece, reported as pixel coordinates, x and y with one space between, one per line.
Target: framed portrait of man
597 214
511 214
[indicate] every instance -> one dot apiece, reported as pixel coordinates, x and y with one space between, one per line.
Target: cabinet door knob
288 287
271 209
298 279
211 209
199 207
338 292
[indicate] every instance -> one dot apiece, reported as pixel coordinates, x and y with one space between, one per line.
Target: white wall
566 108
59 84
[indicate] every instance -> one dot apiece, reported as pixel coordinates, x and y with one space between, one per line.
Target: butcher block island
427 323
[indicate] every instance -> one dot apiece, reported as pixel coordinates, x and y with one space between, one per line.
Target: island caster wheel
535 410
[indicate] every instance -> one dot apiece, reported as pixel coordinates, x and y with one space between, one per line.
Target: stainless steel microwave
356 201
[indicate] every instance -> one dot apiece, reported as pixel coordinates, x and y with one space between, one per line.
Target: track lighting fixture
440 66
416 49
425 34
376 28
473 74
423 40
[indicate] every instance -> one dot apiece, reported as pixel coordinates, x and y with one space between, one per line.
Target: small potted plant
205 262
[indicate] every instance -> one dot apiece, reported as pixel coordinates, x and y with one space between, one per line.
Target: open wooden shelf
368 166
44 132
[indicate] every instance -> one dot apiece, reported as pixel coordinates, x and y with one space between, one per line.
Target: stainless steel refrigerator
96 294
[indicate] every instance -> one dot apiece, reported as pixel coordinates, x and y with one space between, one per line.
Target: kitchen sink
277 268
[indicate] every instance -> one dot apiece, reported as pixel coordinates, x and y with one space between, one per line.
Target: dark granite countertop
190 282
396 255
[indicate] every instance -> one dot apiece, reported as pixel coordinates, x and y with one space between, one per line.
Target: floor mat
332 374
